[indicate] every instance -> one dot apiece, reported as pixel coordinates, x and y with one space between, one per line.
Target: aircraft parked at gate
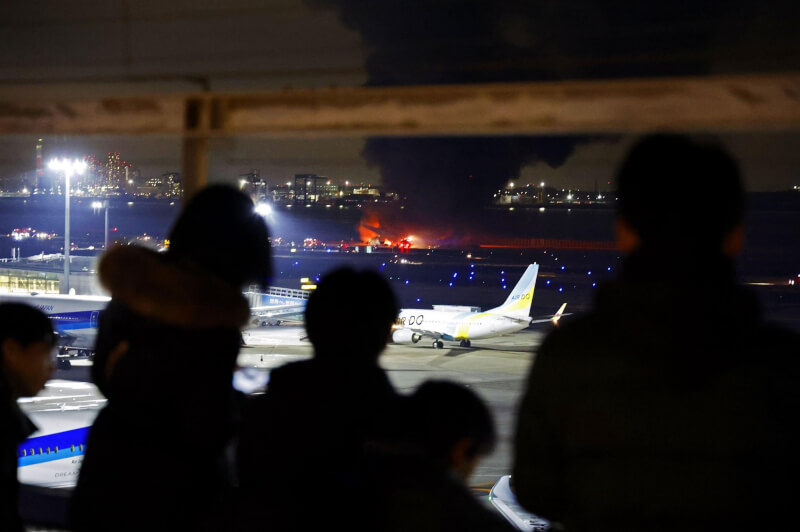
463 324
74 318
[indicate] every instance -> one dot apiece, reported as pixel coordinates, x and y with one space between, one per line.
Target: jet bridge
277 304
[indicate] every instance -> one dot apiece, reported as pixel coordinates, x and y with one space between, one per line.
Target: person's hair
672 189
220 232
25 324
447 413
350 314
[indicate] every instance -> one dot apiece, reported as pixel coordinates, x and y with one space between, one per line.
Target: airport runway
495 369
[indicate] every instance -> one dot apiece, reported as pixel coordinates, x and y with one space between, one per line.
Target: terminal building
45 274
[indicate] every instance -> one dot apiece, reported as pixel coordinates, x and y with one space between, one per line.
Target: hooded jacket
670 406
165 353
14 428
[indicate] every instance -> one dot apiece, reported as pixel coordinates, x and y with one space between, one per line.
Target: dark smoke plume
419 42
456 176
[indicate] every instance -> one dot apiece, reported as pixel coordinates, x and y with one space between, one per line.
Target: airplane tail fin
518 303
554 318
558 314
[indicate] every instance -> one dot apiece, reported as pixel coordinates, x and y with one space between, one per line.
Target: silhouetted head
456 426
350 315
26 348
220 232
677 192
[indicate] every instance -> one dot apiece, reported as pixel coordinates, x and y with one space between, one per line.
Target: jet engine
404 336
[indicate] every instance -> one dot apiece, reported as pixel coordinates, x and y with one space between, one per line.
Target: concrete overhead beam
747 103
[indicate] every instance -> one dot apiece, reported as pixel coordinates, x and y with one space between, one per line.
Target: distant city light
69 167
263 209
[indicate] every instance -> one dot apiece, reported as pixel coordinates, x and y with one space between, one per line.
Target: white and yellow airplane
463 324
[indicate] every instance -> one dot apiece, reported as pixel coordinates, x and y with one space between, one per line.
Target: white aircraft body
74 317
463 324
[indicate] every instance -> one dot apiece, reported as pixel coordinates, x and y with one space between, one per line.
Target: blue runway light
548 283
406 281
502 280
609 268
471 265
560 288
504 287
590 272
594 284
418 300
455 275
503 272
563 268
451 284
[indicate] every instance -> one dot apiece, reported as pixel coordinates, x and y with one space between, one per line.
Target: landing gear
437 344
465 343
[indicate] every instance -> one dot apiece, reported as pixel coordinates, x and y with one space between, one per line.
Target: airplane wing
504 500
517 319
81 340
424 332
555 317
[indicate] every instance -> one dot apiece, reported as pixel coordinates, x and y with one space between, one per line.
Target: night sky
265 45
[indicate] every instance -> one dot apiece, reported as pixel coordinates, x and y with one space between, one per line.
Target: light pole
96 205
69 167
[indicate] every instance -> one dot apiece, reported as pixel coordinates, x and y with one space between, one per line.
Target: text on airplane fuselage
410 320
45 308
521 297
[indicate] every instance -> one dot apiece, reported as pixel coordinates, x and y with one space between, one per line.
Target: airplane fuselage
454 326
74 315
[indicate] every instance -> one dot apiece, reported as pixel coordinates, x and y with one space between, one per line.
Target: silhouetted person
670 406
302 440
26 362
419 483
166 351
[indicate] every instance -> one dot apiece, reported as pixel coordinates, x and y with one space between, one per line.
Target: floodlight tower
97 205
69 167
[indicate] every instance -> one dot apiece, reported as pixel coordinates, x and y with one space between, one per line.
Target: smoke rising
419 42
